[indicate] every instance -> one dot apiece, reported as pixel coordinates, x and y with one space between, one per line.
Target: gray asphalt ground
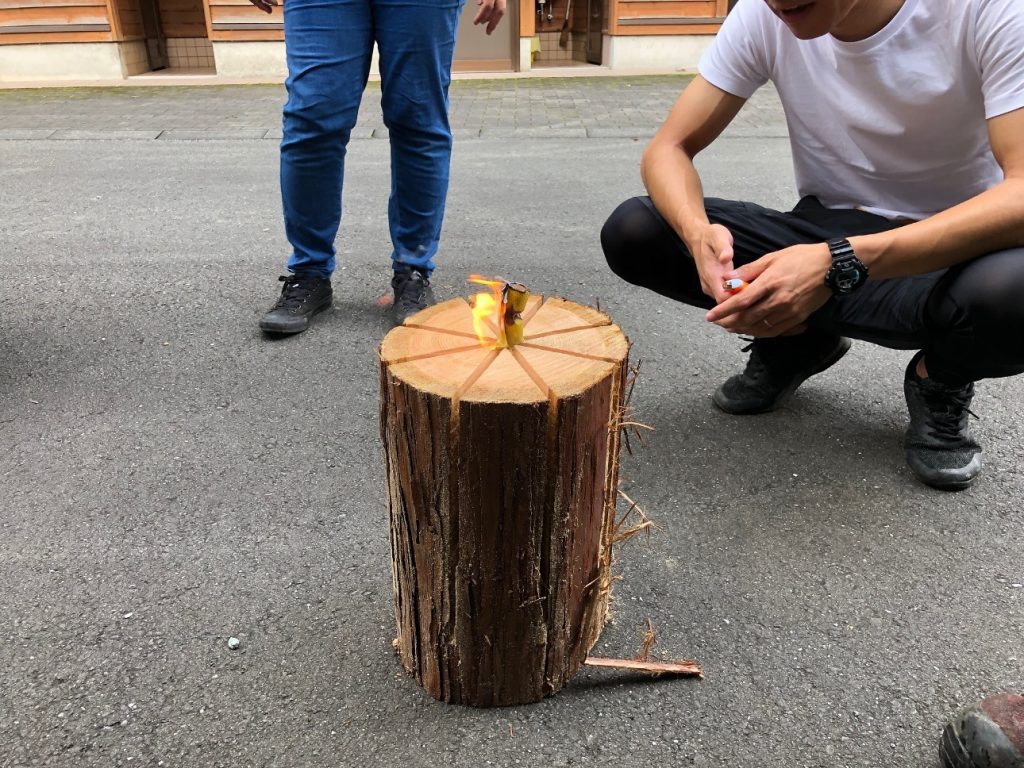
170 479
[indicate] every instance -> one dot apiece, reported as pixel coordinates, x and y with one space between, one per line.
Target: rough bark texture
502 511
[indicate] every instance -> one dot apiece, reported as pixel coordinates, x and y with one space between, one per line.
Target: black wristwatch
847 272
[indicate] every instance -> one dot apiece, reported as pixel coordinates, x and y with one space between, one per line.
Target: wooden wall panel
32 38
666 17
8 5
182 18
231 20
667 28
674 8
129 19
54 21
67 15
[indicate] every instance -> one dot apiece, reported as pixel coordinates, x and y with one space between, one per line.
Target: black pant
969 319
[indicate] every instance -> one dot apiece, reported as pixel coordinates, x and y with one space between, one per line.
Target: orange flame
485 305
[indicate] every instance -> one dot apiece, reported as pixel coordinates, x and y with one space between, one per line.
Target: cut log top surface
566 348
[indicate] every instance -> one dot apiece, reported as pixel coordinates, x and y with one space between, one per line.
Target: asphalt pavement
170 479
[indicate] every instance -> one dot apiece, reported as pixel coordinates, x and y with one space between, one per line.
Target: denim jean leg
329 44
416 40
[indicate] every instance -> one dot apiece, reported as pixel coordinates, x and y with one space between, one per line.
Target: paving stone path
576 107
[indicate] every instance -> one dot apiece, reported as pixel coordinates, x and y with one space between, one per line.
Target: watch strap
840 248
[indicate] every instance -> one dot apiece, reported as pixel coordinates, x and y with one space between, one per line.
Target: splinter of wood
685 668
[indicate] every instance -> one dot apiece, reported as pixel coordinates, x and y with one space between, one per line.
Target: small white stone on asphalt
233 643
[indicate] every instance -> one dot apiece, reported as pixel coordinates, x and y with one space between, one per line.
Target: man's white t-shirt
894 124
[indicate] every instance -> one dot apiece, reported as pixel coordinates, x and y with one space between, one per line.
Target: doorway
477 52
152 31
165 36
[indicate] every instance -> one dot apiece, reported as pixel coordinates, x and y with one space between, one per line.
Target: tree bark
502 469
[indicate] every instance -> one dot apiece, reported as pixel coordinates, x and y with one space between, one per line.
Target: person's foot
940 448
412 293
776 368
989 734
301 297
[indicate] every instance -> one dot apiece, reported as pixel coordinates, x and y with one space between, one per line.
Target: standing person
906 120
329 44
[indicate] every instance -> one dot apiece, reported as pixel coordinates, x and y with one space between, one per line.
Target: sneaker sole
724 404
284 331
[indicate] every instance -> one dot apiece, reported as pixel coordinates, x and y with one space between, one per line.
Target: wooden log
502 469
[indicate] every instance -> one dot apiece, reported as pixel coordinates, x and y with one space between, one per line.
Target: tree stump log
502 470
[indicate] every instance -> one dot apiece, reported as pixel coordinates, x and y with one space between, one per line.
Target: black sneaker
989 734
302 297
412 293
940 448
776 368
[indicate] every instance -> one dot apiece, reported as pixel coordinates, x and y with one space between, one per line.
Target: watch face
847 272
845 276
848 279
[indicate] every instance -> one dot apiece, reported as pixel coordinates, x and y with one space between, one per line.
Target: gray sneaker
989 734
301 297
412 293
940 448
776 368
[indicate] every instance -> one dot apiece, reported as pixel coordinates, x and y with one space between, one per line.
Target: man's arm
789 285
991 221
701 113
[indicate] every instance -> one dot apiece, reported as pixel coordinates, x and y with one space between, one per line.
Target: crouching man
906 119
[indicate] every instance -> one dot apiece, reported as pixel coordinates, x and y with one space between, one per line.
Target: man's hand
490 13
712 255
785 288
267 6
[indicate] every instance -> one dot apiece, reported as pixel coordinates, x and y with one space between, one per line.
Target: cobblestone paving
542 107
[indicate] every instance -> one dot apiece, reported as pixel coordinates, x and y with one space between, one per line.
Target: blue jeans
329 44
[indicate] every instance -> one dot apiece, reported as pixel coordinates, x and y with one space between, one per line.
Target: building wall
134 59
27 22
665 17
190 53
60 61
238 21
244 42
127 20
661 52
182 19
250 59
635 34
241 21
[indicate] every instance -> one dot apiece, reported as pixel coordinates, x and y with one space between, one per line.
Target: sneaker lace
756 369
948 408
294 293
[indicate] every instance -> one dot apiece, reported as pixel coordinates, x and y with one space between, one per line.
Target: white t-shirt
894 124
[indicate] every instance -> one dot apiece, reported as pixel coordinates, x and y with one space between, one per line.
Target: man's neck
866 18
